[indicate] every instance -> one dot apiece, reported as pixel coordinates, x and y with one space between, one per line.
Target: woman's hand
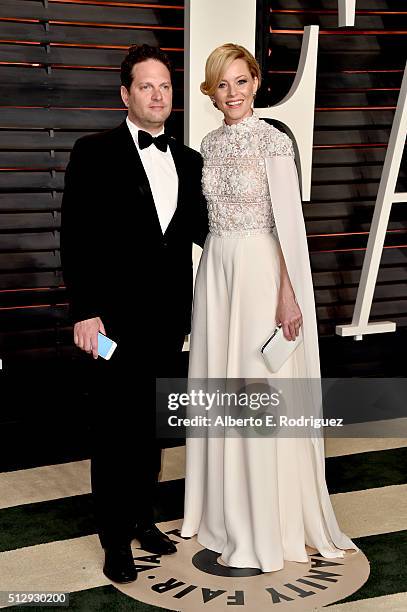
289 315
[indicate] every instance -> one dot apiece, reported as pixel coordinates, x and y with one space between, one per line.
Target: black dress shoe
153 540
119 565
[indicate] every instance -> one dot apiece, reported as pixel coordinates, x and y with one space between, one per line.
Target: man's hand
85 334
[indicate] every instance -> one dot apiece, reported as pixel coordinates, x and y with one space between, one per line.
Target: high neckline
246 122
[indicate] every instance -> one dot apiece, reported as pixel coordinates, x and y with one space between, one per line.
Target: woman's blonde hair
219 61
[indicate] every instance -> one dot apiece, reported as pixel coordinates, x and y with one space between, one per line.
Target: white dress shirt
162 176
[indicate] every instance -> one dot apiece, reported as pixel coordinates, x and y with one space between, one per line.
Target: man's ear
125 95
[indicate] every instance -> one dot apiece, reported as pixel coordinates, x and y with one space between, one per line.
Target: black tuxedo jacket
117 264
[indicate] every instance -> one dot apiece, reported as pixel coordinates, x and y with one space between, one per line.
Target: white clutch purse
277 349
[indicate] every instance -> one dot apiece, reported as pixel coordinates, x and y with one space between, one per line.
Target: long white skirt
257 501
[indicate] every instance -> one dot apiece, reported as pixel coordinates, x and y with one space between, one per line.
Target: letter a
386 196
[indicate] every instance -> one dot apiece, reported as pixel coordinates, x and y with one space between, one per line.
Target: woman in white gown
256 501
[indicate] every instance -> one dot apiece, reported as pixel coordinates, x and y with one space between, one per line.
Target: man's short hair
137 54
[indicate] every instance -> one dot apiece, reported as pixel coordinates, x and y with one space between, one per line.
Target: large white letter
296 110
235 21
208 24
346 12
385 197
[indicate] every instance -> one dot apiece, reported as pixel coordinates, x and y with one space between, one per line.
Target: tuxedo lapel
178 157
135 173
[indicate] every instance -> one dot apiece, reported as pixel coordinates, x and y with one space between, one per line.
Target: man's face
149 100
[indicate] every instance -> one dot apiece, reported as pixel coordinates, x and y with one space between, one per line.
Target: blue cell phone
106 346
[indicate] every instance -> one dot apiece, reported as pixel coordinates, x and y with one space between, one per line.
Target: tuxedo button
165 244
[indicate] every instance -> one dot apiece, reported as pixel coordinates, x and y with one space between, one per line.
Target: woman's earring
254 94
214 103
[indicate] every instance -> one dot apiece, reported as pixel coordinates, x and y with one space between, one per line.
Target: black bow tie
145 140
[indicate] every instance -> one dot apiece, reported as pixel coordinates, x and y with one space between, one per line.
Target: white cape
288 215
287 208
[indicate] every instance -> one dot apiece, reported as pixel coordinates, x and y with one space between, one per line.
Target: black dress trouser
126 455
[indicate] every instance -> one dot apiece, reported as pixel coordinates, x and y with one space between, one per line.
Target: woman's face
234 94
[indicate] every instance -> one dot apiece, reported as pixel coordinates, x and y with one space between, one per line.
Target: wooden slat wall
359 77
59 79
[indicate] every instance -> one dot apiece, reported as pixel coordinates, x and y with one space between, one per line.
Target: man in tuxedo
132 207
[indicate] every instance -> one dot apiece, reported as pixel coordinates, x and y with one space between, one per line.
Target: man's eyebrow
150 83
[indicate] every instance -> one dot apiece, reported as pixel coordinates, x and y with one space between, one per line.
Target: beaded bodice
234 177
